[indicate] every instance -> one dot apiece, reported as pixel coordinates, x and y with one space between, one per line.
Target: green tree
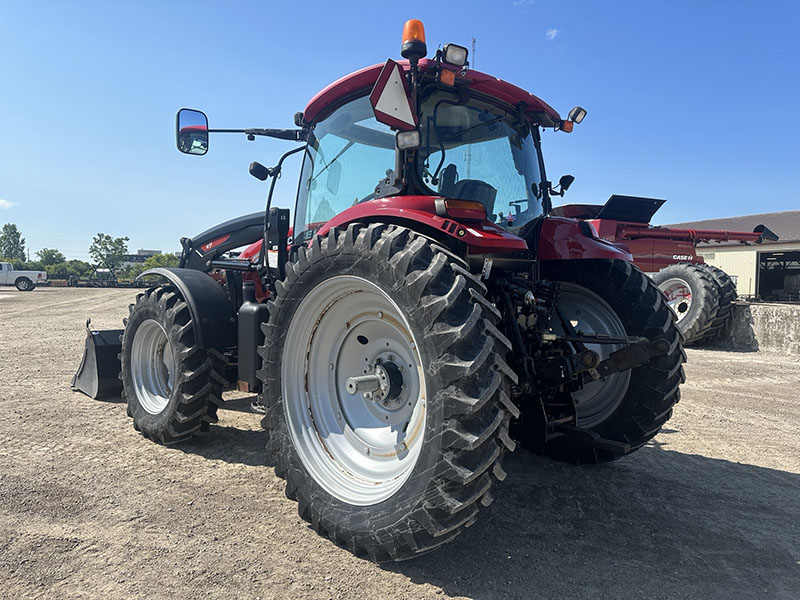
64 270
108 252
50 256
12 244
151 262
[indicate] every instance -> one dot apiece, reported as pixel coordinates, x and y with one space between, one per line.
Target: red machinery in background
699 293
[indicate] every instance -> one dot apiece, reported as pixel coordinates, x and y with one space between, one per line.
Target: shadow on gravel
241 404
232 445
656 524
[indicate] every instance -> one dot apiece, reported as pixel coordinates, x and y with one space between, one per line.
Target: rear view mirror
577 114
191 131
565 182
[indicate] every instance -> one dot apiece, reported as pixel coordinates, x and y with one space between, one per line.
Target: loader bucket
98 375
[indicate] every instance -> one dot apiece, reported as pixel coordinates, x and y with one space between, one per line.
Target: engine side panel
564 239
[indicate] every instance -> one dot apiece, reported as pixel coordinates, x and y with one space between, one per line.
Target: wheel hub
679 296
384 384
354 390
152 366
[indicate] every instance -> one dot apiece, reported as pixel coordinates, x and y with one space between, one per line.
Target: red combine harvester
426 315
699 293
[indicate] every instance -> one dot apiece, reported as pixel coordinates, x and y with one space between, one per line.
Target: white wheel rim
679 296
152 366
359 450
588 313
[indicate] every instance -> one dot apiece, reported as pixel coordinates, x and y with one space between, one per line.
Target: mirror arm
296 135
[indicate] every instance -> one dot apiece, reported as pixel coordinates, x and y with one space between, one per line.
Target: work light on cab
455 55
407 140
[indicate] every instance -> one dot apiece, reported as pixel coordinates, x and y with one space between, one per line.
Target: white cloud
551 34
5 204
523 2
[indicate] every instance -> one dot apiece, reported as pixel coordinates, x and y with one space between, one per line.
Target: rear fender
209 307
570 239
419 213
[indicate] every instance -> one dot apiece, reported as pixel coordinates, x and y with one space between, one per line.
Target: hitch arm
630 357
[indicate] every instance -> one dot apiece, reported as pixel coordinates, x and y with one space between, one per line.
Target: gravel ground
89 508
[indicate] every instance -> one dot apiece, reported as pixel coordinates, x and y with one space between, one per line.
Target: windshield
348 154
476 151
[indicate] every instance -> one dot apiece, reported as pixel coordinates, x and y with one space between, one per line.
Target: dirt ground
89 508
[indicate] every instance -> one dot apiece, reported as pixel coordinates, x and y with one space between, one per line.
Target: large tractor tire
693 295
614 298
172 385
726 292
386 391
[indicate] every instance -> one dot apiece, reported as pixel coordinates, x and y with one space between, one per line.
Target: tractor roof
344 88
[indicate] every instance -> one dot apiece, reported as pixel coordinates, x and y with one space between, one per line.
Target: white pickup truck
24 280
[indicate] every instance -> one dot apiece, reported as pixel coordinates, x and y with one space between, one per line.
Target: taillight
465 209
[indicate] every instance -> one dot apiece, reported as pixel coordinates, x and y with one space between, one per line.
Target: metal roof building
769 271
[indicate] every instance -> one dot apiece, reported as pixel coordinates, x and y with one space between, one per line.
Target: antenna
474 43
468 154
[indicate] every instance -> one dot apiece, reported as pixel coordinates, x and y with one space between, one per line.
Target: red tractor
700 294
426 314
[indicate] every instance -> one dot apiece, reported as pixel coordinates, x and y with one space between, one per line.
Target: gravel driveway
89 508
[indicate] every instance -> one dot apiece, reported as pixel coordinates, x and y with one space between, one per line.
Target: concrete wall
774 327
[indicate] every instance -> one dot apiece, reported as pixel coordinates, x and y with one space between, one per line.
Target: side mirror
565 182
577 114
191 131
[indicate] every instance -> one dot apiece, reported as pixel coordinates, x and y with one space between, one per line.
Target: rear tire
389 492
726 292
692 294
24 284
639 401
171 384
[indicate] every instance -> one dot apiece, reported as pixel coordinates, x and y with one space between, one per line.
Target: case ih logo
683 257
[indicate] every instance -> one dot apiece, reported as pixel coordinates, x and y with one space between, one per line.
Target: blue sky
695 102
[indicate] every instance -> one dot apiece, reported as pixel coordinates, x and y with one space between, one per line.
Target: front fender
212 313
566 239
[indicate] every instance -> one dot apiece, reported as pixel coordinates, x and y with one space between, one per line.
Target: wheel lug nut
331 365
380 315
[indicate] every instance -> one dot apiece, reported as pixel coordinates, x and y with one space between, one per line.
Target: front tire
388 476
615 298
172 385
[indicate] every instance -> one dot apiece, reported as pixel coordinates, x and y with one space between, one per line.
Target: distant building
769 271
128 260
